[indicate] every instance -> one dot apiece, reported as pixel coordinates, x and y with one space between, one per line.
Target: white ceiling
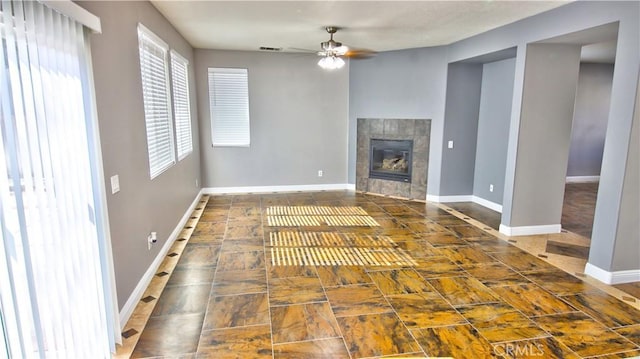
374 25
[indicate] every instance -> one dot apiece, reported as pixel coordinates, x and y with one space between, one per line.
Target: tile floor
579 207
485 215
577 217
577 221
468 293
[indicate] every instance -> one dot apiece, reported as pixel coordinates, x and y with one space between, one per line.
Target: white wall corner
530 230
288 188
506 230
606 277
139 290
432 198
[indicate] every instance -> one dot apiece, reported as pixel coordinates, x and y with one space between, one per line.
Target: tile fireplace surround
419 131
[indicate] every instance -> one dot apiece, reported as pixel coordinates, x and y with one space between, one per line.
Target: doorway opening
588 131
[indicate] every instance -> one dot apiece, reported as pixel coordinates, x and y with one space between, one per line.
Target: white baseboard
466 198
582 179
271 189
486 203
138 292
444 199
606 277
530 230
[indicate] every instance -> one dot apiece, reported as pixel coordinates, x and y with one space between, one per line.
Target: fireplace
390 159
409 183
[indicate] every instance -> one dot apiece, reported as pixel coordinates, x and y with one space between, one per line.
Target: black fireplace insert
390 159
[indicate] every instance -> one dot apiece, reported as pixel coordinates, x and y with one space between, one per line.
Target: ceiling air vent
266 48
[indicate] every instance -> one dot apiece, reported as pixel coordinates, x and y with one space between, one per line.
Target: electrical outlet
115 184
152 239
450 144
490 188
320 173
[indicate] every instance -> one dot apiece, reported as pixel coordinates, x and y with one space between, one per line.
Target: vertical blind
154 67
52 292
229 106
181 104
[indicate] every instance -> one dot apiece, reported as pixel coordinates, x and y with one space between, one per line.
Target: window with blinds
229 105
154 67
181 103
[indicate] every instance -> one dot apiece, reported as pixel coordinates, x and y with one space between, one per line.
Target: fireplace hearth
391 159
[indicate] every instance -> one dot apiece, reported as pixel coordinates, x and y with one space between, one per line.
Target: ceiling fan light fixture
330 45
332 52
341 50
331 63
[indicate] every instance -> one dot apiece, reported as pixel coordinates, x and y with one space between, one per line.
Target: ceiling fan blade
297 49
358 54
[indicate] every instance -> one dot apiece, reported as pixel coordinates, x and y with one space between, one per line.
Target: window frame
155 169
181 124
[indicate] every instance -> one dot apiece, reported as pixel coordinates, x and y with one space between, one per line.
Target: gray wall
298 115
493 129
400 84
590 119
606 227
550 81
570 18
142 205
464 82
627 245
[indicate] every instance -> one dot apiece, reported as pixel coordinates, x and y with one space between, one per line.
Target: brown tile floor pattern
579 207
483 214
577 221
470 294
577 211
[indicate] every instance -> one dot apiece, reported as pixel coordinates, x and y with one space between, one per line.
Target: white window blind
229 105
52 283
181 103
154 67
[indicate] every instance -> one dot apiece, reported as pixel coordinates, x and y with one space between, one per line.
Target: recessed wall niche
416 130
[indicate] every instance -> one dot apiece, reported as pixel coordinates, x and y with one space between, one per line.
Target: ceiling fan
333 51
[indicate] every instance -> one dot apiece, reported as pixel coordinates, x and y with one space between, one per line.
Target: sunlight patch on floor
315 216
328 248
